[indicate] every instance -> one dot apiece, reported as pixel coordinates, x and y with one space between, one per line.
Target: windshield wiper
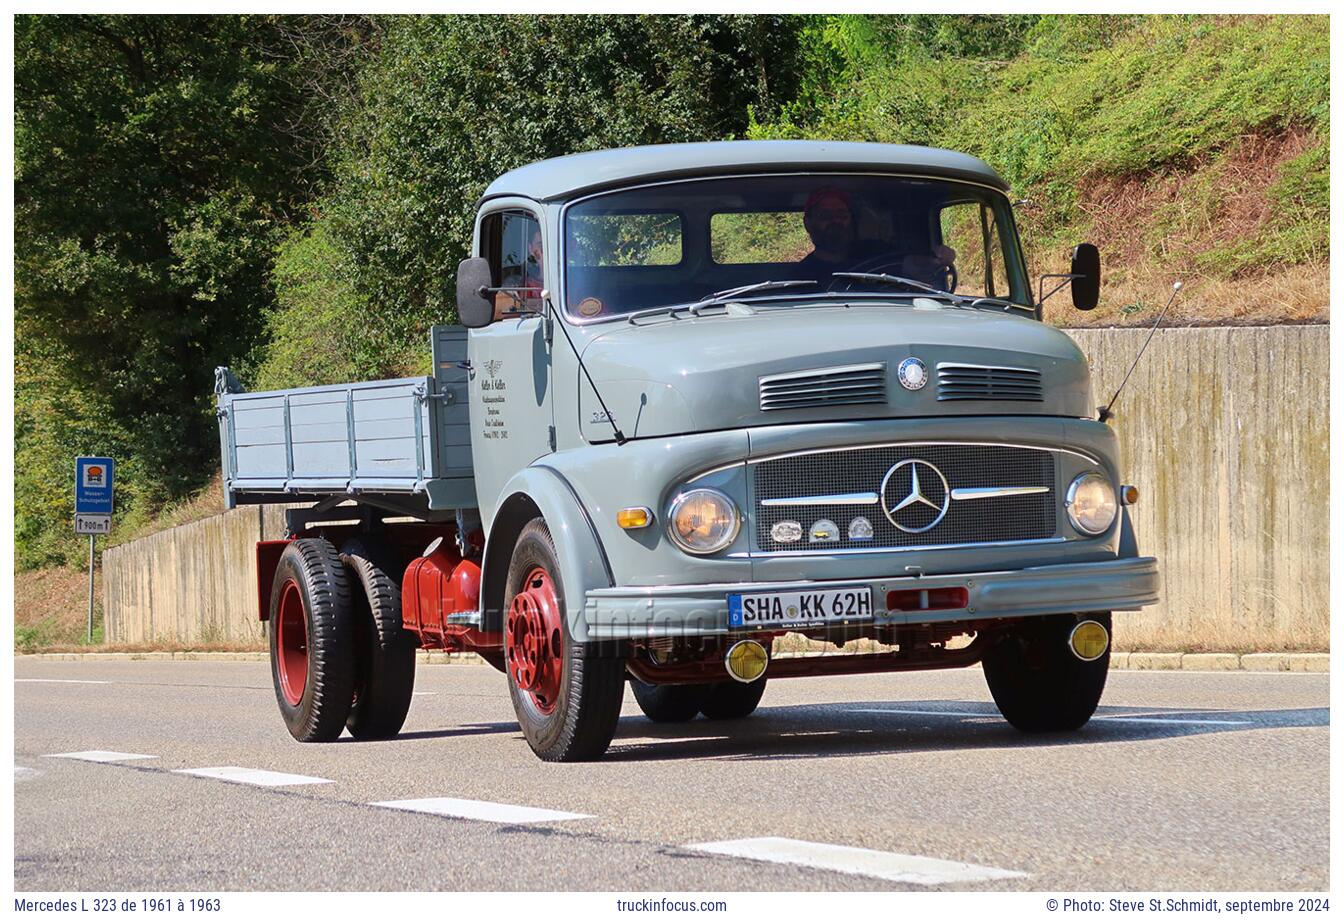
758 286
969 299
891 279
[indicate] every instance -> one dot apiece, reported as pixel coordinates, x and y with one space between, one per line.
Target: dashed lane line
253 777
893 867
496 812
103 756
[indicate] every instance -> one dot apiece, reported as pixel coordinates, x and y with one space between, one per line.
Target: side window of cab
511 242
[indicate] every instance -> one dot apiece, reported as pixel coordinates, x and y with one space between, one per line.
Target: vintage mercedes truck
702 396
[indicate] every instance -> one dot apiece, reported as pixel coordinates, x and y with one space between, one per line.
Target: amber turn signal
634 518
1129 495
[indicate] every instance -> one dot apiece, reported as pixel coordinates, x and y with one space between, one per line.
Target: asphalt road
1184 781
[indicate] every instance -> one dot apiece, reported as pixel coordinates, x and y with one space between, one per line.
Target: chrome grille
787 488
825 386
978 381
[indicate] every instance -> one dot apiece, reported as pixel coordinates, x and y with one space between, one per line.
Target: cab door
511 379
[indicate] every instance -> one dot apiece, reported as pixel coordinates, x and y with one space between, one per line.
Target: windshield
682 242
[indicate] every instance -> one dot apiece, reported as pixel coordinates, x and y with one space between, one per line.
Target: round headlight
703 520
1091 503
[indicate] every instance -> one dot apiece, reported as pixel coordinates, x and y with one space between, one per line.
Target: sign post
93 507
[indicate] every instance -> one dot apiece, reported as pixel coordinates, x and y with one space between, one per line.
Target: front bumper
702 610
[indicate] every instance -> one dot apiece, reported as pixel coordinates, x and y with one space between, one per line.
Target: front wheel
567 695
1038 683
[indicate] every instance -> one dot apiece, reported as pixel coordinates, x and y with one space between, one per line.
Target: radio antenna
1104 412
553 321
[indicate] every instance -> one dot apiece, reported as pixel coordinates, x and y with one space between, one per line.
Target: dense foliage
289 195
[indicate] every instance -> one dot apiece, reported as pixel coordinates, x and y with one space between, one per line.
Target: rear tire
384 674
567 695
669 702
731 699
1038 683
312 637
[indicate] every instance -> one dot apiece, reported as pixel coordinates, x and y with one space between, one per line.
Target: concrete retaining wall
194 583
1224 431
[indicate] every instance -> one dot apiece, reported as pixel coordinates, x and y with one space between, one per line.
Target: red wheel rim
291 643
534 640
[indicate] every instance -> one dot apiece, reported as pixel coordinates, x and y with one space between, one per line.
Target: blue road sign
93 485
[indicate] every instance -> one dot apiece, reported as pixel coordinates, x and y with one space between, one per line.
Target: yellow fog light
634 518
1089 640
746 660
1129 495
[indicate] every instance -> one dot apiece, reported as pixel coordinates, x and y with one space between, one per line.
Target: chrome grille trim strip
961 495
847 498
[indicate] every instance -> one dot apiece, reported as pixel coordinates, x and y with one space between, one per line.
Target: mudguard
583 562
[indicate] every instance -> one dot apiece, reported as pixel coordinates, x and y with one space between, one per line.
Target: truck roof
581 173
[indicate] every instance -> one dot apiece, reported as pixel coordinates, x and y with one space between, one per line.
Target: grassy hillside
1189 147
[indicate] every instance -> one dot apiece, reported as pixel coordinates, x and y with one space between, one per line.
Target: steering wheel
892 264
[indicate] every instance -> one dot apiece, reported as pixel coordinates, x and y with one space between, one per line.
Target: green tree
452 102
157 159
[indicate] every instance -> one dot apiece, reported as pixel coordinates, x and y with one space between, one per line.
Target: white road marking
423 693
1154 720
24 772
52 680
894 867
932 712
1160 721
104 756
498 812
253 777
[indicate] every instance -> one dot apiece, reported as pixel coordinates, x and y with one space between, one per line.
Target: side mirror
474 306
1086 271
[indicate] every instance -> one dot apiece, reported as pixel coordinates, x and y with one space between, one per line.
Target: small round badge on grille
786 532
912 374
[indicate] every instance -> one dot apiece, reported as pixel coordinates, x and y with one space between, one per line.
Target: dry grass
205 503
51 607
1199 225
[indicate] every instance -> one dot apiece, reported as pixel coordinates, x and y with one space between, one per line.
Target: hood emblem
915 495
912 373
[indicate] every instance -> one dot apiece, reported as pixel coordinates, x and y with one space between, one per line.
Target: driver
828 217
829 221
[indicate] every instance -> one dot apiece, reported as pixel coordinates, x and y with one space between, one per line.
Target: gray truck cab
717 393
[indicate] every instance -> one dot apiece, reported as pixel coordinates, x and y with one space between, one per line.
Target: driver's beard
833 239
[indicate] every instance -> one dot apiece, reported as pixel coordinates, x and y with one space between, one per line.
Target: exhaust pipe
1089 640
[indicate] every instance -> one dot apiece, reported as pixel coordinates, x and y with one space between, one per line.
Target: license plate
791 609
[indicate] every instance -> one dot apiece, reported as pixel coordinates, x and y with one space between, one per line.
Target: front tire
312 636
669 702
1038 683
567 695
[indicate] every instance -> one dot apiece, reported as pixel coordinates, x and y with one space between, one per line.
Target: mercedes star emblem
915 495
912 374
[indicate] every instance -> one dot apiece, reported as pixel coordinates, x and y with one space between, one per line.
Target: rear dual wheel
728 699
312 627
339 657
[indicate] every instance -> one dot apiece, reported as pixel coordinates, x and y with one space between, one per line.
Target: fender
583 561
